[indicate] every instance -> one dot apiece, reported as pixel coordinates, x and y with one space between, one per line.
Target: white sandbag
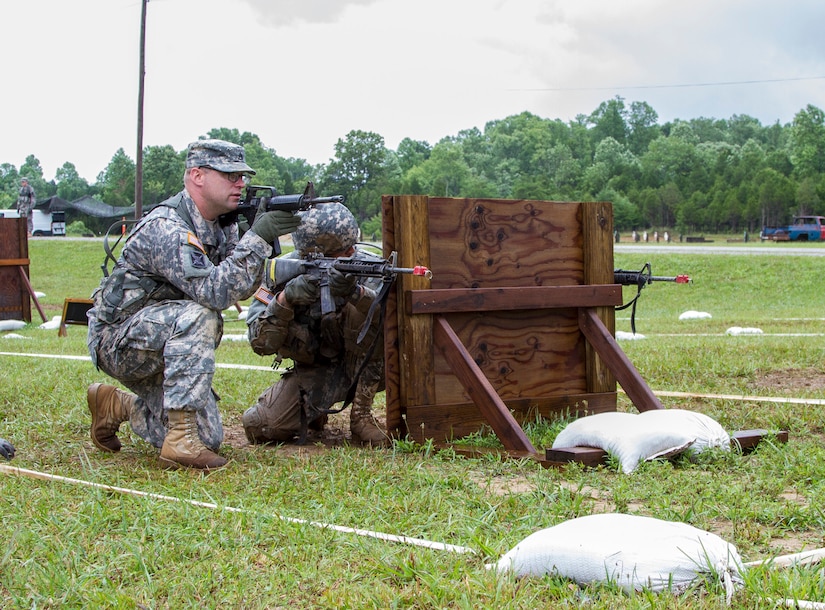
631 551
52 324
234 338
626 336
11 325
708 433
626 436
694 315
747 330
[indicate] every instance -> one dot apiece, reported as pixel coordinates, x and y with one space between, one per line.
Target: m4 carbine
268 199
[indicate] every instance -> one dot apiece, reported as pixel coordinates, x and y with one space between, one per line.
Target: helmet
327 228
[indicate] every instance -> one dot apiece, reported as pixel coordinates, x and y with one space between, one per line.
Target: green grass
64 545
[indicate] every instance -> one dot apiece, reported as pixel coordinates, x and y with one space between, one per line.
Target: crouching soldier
156 320
285 319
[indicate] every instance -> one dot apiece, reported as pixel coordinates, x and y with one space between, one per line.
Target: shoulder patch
193 240
264 295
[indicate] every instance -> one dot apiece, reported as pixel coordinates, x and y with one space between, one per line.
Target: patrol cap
217 154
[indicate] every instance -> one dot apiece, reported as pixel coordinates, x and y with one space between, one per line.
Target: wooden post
597 234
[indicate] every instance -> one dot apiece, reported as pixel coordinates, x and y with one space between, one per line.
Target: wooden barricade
517 319
16 293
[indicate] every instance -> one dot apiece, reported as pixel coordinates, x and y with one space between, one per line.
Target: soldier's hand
341 284
302 290
269 225
6 449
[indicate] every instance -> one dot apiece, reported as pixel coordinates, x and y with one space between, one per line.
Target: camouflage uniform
323 348
156 319
25 203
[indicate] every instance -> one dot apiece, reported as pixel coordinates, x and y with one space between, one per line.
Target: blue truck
803 228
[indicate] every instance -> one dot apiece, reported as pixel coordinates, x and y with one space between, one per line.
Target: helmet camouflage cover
325 228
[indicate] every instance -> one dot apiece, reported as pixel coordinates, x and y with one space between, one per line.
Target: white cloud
303 73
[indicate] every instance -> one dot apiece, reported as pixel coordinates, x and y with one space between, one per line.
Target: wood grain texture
15 300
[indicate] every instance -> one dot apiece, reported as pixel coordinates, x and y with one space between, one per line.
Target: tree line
698 175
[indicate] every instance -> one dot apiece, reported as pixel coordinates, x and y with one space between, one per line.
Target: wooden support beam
25 277
452 300
586 456
479 389
597 250
608 349
747 440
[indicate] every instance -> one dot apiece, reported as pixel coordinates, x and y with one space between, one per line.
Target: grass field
69 545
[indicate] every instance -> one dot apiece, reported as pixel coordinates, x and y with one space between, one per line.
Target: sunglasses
233 177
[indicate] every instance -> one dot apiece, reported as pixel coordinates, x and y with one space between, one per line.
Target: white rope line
667 394
247 367
774 399
440 546
784 561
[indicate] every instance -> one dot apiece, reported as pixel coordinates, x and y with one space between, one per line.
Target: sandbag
626 436
11 325
631 551
708 433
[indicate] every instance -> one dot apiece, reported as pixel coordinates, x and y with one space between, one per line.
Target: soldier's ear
197 175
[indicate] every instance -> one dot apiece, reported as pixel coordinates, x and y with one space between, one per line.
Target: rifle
640 279
281 270
252 201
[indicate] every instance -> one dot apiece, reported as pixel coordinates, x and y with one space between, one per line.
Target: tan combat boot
109 407
183 447
364 427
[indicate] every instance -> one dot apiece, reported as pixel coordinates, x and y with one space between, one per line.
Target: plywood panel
522 353
533 354
15 301
496 242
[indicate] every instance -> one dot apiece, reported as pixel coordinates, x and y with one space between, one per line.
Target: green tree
117 181
70 185
163 169
807 197
412 152
360 164
609 121
643 128
807 142
776 196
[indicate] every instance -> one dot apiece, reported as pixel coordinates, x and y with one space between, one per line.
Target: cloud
286 12
303 73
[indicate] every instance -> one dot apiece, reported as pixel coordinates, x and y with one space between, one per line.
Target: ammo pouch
123 294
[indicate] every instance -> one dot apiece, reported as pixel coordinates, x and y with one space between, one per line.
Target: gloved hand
269 225
6 449
340 284
302 290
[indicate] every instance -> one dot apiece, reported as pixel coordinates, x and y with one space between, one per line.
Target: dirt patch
791 380
335 434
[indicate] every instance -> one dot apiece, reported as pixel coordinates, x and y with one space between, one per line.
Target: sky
302 74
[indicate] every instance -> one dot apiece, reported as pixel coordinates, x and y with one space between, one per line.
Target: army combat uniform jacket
156 320
326 356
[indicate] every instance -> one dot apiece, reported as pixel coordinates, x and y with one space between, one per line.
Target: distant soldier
25 203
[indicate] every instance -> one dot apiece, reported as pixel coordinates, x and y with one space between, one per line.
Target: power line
677 86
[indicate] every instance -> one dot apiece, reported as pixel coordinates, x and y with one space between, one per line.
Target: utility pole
139 156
